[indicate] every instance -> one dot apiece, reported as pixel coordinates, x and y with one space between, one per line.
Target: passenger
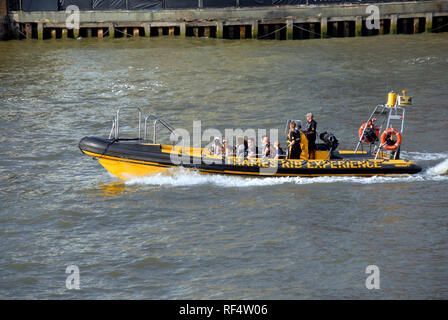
390 141
267 150
252 149
294 142
370 131
310 133
279 153
227 150
241 148
216 147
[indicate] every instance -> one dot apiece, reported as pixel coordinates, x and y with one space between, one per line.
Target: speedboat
377 151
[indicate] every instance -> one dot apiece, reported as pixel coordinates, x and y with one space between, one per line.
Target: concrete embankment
281 22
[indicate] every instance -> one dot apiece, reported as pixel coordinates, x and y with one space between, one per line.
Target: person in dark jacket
371 130
310 133
294 142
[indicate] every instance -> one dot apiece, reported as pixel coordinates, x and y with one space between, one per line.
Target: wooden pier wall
4 21
282 23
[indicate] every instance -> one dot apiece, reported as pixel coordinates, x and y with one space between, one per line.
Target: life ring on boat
361 132
389 132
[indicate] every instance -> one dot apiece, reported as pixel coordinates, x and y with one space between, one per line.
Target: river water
190 236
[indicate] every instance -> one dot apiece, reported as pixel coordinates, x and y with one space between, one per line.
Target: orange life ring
361 131
383 139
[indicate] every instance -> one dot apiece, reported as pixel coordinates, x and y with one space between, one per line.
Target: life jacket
304 146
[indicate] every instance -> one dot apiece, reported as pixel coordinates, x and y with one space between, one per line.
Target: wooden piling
219 30
428 22
289 29
303 34
196 32
100 33
242 32
381 31
254 29
207 32
111 31
171 31
393 24
89 33
277 33
135 32
323 27
183 29
53 34
346 29
416 25
76 33
335 27
28 31
358 26
40 31
160 31
147 29
64 34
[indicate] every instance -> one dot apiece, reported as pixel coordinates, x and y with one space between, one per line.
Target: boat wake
423 156
440 169
180 177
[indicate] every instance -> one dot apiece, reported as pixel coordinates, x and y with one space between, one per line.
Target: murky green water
191 236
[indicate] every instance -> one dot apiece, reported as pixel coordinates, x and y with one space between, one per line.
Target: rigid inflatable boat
377 151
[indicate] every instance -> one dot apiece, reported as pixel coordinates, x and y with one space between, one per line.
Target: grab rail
365 127
390 113
115 130
112 131
117 121
156 121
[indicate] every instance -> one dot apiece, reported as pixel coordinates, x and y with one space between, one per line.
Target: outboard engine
330 141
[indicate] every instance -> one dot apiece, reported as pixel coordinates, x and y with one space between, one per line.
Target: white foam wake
423 156
440 169
182 177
